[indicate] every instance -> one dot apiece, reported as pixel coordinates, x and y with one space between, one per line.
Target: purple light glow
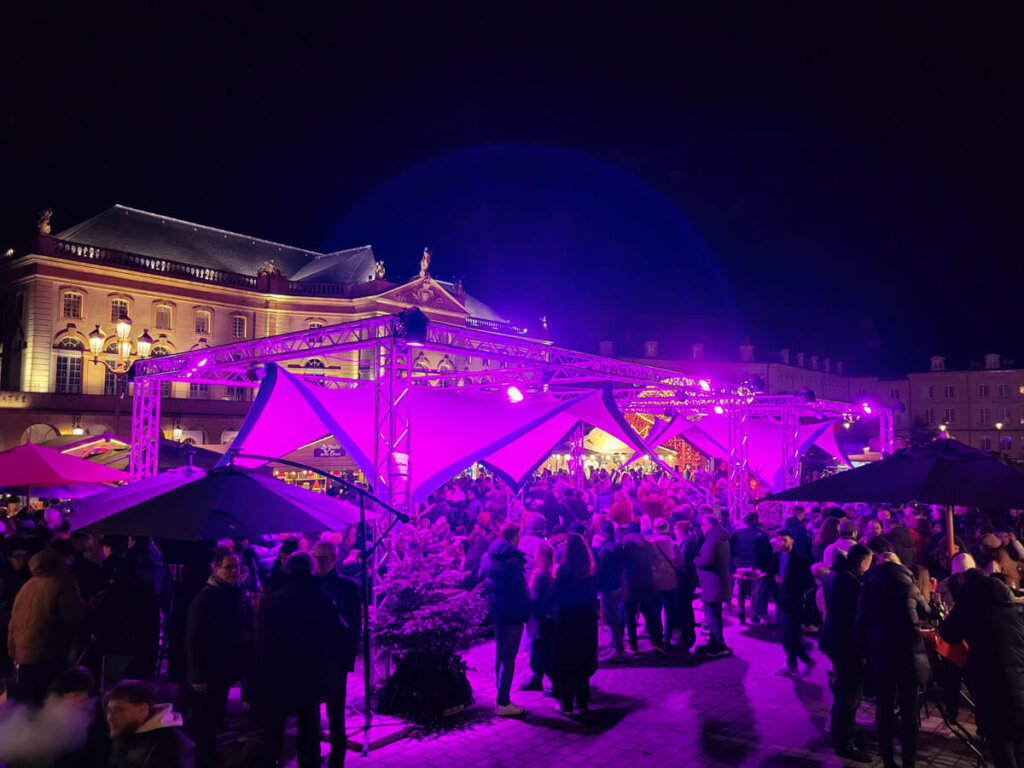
866 407
514 394
415 343
705 386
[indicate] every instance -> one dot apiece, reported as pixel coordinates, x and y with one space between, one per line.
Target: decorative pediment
427 293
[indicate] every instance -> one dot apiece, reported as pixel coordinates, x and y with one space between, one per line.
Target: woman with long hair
574 636
827 534
539 625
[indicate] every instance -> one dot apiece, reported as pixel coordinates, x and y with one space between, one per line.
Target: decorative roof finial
425 263
43 222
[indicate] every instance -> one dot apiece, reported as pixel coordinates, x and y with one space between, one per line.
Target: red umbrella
33 465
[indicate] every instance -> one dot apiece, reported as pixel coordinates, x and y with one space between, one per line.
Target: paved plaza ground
649 712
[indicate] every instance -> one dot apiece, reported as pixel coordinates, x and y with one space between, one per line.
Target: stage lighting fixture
515 395
719 410
414 327
705 386
866 407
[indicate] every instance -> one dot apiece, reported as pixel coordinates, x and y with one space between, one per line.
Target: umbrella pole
949 534
367 673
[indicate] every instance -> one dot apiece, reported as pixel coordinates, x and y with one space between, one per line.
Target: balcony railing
53 247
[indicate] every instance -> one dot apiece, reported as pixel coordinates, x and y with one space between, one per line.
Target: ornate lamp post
123 333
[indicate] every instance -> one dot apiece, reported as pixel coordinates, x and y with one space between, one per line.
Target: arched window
68 379
316 368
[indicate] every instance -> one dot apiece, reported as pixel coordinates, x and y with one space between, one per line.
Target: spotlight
203 362
705 386
846 425
414 327
866 407
515 395
719 410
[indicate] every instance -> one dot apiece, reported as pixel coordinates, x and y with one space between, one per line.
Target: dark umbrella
944 471
196 505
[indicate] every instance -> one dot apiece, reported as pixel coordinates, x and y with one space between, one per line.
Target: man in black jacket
344 594
987 619
504 577
145 734
608 569
902 541
217 642
297 630
838 641
888 610
792 573
751 549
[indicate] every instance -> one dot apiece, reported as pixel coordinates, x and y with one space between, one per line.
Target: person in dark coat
13 575
608 564
218 638
751 548
554 511
796 524
297 631
792 573
194 576
145 734
902 541
503 572
985 616
712 565
838 641
124 628
888 611
638 593
574 636
539 626
344 595
686 576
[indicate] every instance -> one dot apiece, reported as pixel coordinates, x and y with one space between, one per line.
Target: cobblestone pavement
647 712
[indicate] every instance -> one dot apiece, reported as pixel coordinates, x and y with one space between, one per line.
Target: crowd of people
629 552
89 624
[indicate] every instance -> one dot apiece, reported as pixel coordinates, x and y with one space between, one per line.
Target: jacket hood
47 563
163 716
502 550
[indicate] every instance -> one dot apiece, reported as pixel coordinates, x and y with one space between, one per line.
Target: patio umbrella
945 472
30 466
192 504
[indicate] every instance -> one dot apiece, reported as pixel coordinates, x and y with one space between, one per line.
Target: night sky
845 182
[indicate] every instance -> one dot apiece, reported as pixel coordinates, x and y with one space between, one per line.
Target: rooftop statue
425 263
378 269
43 222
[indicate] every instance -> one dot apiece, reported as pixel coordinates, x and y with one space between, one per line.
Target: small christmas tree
426 619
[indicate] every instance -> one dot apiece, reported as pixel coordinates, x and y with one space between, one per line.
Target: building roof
121 228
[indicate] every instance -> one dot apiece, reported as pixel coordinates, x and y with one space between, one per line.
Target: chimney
991 362
606 348
839 367
938 363
746 353
800 359
814 362
697 350
650 349
828 365
785 356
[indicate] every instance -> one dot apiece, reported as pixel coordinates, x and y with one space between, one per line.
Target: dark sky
845 182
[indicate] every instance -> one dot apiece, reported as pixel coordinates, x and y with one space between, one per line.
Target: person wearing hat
792 571
841 546
712 565
995 559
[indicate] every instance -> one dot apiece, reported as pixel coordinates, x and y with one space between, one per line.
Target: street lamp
123 334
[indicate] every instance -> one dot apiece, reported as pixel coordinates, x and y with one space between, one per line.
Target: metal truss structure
484 360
